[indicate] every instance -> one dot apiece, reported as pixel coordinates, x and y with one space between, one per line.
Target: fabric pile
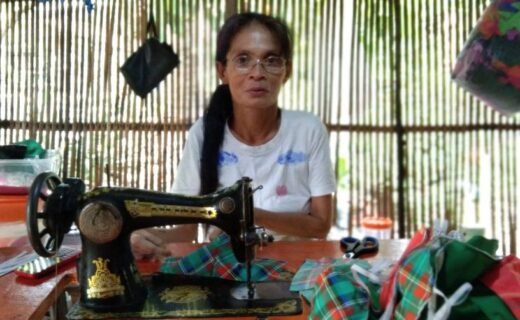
217 260
438 277
489 64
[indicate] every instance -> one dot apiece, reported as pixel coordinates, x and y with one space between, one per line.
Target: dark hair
237 22
220 107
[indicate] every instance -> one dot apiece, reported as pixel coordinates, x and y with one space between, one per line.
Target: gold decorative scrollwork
96 192
184 294
104 284
150 209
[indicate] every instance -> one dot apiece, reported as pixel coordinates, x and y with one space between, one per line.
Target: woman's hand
146 245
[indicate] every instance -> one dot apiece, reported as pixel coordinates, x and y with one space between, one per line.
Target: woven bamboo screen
419 148
407 143
62 85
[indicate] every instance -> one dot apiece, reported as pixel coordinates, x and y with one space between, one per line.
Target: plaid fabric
305 278
338 295
216 259
421 238
415 283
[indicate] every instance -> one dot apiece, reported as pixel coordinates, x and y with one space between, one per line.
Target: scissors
354 247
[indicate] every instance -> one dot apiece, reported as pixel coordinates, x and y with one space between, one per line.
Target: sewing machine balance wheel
50 211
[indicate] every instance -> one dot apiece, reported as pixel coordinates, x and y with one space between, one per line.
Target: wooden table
24 300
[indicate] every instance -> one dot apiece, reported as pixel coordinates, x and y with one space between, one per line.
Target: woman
245 133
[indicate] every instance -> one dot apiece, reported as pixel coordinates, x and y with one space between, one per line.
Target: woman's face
254 87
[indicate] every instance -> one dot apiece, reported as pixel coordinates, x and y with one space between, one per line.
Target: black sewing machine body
106 217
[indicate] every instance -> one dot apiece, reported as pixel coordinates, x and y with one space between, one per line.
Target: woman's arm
315 224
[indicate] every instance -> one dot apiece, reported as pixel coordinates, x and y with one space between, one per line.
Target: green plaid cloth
305 278
415 284
338 295
216 259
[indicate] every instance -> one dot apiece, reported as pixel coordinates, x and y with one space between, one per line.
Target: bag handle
151 28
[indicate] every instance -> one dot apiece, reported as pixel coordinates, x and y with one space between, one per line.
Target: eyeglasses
272 64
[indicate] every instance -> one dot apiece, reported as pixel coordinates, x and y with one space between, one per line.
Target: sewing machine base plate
178 296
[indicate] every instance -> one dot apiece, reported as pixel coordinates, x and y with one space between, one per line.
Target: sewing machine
107 216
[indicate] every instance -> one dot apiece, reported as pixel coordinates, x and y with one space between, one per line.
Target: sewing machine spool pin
260 187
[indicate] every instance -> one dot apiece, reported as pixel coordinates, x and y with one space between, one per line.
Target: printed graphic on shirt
292 157
227 158
281 190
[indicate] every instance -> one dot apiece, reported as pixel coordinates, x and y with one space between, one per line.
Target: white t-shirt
292 167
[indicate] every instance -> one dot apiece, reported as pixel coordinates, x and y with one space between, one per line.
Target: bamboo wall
407 142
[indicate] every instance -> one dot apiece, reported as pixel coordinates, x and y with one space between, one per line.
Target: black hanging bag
150 64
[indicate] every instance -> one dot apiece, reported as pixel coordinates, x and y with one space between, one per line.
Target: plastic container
12 208
19 174
378 227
